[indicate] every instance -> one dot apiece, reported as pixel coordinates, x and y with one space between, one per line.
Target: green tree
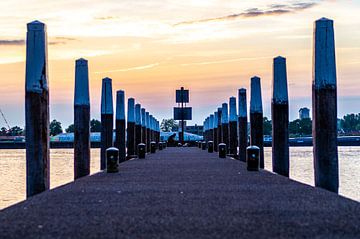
267 126
95 125
169 125
70 129
55 128
350 122
15 131
3 131
301 127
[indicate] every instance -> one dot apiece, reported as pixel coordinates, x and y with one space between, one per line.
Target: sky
152 47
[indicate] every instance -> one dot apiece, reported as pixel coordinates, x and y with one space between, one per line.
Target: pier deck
183 193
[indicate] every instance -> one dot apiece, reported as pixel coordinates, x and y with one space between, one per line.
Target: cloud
136 68
12 42
271 10
105 18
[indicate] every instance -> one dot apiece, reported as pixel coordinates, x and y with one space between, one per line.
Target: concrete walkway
183 193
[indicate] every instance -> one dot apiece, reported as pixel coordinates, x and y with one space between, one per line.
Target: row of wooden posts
141 126
230 128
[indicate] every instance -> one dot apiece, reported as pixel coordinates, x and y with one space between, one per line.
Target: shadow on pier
183 193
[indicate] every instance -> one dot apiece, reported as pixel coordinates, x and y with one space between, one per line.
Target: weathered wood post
280 118
211 127
143 126
207 129
215 135
243 124
130 128
107 120
219 128
37 110
233 127
225 125
158 131
324 103
137 127
81 120
148 135
151 122
120 124
256 118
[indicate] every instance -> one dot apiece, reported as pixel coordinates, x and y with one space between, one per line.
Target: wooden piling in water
143 126
233 142
81 120
256 118
120 126
37 110
243 124
280 118
148 135
107 120
324 103
225 126
130 129
137 127
211 128
215 135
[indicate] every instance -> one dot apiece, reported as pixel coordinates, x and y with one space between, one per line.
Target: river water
13 170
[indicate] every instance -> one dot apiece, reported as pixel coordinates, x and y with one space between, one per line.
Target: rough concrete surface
183 193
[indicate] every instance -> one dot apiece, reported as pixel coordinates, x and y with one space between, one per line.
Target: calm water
13 171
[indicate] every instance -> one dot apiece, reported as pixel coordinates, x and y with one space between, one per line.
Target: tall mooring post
148 135
130 130
211 128
81 120
243 125
120 125
37 110
256 118
324 106
107 120
280 118
233 127
137 127
143 126
225 126
182 112
215 129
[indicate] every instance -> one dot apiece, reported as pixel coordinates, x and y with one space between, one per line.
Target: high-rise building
304 113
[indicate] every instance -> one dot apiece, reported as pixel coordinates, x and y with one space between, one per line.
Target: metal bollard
141 150
112 160
160 146
210 146
152 147
253 158
222 150
164 145
203 145
179 145
199 144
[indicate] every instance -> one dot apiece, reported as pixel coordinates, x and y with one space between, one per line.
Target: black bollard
219 130
160 146
203 145
233 141
138 127
215 125
199 144
120 126
225 126
242 124
153 147
130 130
222 150
112 160
252 158
210 146
141 150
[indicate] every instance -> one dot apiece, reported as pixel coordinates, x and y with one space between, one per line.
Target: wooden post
215 136
324 103
37 110
243 124
131 128
225 126
81 120
219 128
143 126
148 135
233 127
280 118
120 131
107 120
137 127
256 118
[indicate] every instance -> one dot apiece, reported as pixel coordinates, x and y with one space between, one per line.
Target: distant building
194 129
304 113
